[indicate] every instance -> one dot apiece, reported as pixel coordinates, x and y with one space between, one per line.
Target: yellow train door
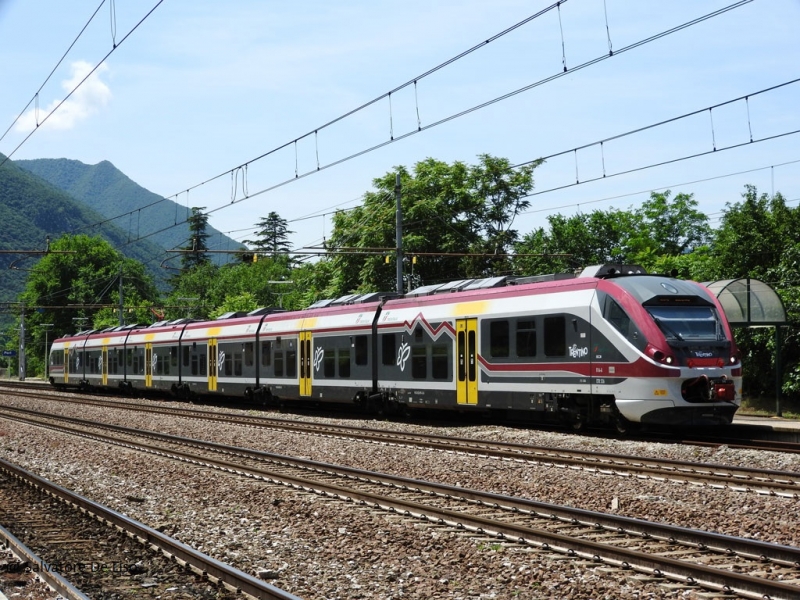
213 361
467 361
104 365
148 365
66 364
305 363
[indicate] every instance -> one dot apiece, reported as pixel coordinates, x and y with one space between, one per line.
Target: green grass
765 407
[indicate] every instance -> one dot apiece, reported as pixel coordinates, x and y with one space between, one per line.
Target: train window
344 362
687 322
278 364
202 362
291 363
388 349
186 354
129 357
237 364
195 368
462 364
329 363
173 356
526 338
498 339
362 350
617 317
440 361
419 362
248 354
227 365
555 336
266 354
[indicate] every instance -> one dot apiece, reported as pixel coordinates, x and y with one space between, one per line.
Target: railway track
770 445
83 549
696 559
761 481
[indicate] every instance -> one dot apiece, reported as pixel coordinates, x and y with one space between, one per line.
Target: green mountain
31 210
107 190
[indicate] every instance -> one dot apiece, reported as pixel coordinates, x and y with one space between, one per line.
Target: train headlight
733 360
669 360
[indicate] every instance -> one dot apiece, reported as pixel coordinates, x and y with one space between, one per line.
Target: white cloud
88 99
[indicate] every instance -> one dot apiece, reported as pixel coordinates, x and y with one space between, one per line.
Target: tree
196 249
70 290
754 234
672 226
449 211
504 191
578 241
272 236
758 238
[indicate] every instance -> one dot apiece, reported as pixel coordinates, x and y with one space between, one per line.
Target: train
611 346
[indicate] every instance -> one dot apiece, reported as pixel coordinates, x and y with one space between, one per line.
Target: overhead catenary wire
80 83
396 138
318 167
35 98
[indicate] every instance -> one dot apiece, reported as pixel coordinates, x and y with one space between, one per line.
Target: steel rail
44 570
680 571
763 481
216 570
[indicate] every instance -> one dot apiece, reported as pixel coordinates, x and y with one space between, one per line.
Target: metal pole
121 304
47 327
399 234
22 345
778 377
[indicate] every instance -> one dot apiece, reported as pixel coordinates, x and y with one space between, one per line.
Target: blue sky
202 87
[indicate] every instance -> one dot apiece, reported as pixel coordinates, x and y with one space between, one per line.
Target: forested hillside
107 190
32 209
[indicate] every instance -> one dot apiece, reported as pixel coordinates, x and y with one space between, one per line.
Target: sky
178 101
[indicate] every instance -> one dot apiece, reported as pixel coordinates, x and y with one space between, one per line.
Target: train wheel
621 425
579 425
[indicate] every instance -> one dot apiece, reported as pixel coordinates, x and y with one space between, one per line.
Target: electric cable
58 64
80 83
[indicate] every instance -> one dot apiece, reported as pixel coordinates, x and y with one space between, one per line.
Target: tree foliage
272 236
449 212
69 287
197 249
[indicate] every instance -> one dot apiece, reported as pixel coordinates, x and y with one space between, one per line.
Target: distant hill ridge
31 209
107 190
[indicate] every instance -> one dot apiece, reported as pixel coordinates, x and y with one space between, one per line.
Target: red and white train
611 345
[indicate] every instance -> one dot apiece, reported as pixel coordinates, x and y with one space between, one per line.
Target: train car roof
650 289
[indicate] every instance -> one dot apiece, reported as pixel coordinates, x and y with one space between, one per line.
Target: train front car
687 370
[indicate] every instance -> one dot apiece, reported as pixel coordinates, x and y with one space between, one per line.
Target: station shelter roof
749 302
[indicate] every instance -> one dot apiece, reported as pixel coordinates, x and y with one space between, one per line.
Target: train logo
220 360
576 352
318 353
402 355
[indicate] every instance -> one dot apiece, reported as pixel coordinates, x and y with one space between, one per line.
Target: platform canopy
749 302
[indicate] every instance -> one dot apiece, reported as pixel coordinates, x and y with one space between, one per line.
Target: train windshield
686 323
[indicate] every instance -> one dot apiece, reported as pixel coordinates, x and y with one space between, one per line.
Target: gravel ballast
318 548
